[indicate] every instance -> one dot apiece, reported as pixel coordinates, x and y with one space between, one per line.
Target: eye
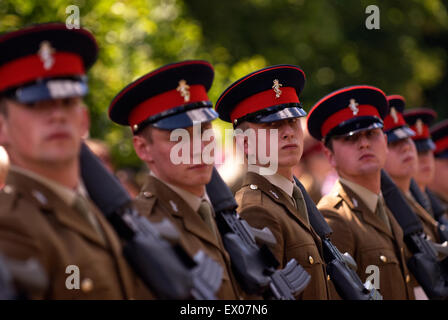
351 138
68 102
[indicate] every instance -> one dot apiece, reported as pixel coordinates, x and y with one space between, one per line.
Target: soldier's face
289 143
360 154
425 171
157 153
44 133
402 160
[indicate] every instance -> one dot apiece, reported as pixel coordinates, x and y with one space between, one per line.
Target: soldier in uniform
268 99
175 97
419 121
45 211
439 185
402 161
349 122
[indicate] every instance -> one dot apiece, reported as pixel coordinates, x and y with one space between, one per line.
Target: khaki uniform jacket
157 201
429 223
35 222
263 204
444 202
362 234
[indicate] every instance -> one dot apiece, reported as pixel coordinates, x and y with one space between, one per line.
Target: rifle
21 279
431 205
340 267
429 272
439 210
253 263
164 267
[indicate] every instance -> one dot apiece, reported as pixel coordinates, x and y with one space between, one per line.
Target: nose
363 141
57 110
287 130
406 146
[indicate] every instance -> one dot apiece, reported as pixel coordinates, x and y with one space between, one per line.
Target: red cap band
441 145
165 101
30 68
424 134
391 123
345 114
263 100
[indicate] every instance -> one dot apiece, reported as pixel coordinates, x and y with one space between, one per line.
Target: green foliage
327 39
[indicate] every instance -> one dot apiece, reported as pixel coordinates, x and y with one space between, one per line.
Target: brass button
328 277
310 259
253 187
383 258
408 278
135 127
8 189
87 285
147 194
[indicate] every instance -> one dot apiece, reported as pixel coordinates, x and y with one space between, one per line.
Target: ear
143 148
4 136
386 144
330 156
85 122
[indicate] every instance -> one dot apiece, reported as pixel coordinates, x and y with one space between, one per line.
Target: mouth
198 166
290 146
59 135
408 159
367 156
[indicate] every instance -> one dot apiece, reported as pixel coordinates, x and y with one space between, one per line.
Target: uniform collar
191 199
367 196
66 194
276 179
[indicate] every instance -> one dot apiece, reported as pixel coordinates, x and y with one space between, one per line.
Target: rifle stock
165 268
347 282
255 266
431 274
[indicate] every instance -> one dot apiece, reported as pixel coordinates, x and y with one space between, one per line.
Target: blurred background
328 39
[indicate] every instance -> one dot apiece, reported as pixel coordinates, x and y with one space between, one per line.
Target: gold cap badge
276 88
353 106
46 54
419 126
184 90
393 114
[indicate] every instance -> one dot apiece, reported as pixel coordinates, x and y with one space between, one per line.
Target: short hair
329 144
243 125
146 133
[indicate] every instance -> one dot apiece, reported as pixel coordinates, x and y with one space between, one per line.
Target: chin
370 168
289 161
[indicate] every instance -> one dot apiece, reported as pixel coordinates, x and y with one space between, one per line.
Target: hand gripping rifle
432 205
431 274
340 267
254 265
21 279
164 267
